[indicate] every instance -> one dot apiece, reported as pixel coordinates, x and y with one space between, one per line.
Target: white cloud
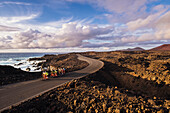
16 23
7 28
141 27
58 23
120 10
125 10
154 29
121 6
70 34
142 23
15 3
149 21
11 20
159 24
118 6
164 21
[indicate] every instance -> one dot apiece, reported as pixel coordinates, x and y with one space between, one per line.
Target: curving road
16 93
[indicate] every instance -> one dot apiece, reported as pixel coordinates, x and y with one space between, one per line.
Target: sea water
13 59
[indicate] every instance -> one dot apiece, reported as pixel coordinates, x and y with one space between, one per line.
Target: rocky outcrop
68 61
9 75
91 94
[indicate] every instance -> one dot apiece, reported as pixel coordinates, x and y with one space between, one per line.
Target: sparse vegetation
148 65
128 82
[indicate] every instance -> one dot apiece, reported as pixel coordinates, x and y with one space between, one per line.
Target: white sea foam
13 59
24 64
20 61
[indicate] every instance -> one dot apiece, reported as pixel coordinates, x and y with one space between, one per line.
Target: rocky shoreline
112 89
9 74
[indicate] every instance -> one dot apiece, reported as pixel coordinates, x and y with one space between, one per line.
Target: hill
133 49
165 47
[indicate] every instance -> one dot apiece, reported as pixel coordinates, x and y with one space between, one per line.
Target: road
19 92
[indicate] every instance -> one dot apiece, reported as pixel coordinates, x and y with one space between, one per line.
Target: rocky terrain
9 75
130 81
68 61
92 94
150 65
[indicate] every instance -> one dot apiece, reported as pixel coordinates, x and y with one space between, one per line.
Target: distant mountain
165 47
133 49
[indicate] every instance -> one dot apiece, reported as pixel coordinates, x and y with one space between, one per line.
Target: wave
20 60
23 64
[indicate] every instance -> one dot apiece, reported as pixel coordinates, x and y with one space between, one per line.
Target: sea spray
20 60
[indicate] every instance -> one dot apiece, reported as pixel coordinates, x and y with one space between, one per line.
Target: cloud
106 45
159 23
118 6
121 6
7 28
164 22
154 29
137 25
10 10
70 34
10 20
125 10
58 23
162 27
150 20
15 3
119 10
141 23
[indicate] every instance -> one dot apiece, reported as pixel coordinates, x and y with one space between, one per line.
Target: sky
83 25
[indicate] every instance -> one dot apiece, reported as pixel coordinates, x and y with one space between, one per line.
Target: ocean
13 59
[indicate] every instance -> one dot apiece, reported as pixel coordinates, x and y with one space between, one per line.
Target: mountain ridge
133 49
164 47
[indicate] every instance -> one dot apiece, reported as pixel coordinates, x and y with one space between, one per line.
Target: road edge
54 86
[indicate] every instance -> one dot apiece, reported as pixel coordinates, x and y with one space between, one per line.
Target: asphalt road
16 93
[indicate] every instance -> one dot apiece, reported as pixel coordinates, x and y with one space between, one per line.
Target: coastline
117 87
11 75
92 93
21 60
